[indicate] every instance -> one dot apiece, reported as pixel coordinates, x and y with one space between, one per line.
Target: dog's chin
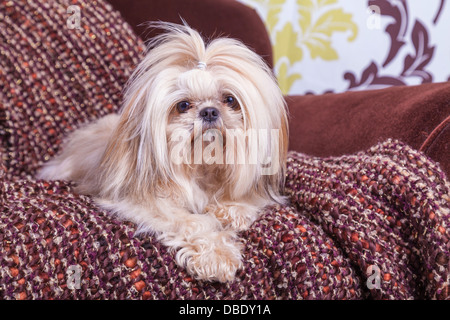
215 125
208 131
211 133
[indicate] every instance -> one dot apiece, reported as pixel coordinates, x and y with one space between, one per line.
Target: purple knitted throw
370 225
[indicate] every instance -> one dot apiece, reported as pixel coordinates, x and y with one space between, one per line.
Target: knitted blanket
370 225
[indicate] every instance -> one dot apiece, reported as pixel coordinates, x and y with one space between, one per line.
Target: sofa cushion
337 124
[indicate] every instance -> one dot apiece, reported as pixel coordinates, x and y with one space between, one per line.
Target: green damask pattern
299 27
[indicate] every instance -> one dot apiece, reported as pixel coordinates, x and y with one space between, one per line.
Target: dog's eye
231 101
183 106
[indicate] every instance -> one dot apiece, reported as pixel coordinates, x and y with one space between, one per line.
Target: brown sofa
321 125
348 215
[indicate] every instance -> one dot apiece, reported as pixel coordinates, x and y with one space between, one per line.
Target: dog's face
205 111
205 101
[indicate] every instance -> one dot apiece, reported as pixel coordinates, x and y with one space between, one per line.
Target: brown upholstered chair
339 225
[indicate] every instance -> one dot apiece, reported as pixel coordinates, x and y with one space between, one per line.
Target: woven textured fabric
55 76
45 229
370 225
386 208
348 214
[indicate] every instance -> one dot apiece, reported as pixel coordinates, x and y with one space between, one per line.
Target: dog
195 154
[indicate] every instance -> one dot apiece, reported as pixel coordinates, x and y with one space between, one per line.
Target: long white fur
123 160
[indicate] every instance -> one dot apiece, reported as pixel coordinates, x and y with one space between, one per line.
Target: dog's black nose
209 114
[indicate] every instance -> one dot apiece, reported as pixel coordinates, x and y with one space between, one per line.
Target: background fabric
339 45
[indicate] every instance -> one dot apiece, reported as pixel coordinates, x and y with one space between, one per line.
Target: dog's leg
205 249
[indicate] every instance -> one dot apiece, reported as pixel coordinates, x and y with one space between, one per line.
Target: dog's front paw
214 266
212 261
236 217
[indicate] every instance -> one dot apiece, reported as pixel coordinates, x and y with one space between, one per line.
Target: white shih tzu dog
197 151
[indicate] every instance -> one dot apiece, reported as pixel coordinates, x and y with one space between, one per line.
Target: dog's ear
128 164
135 160
278 182
118 164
